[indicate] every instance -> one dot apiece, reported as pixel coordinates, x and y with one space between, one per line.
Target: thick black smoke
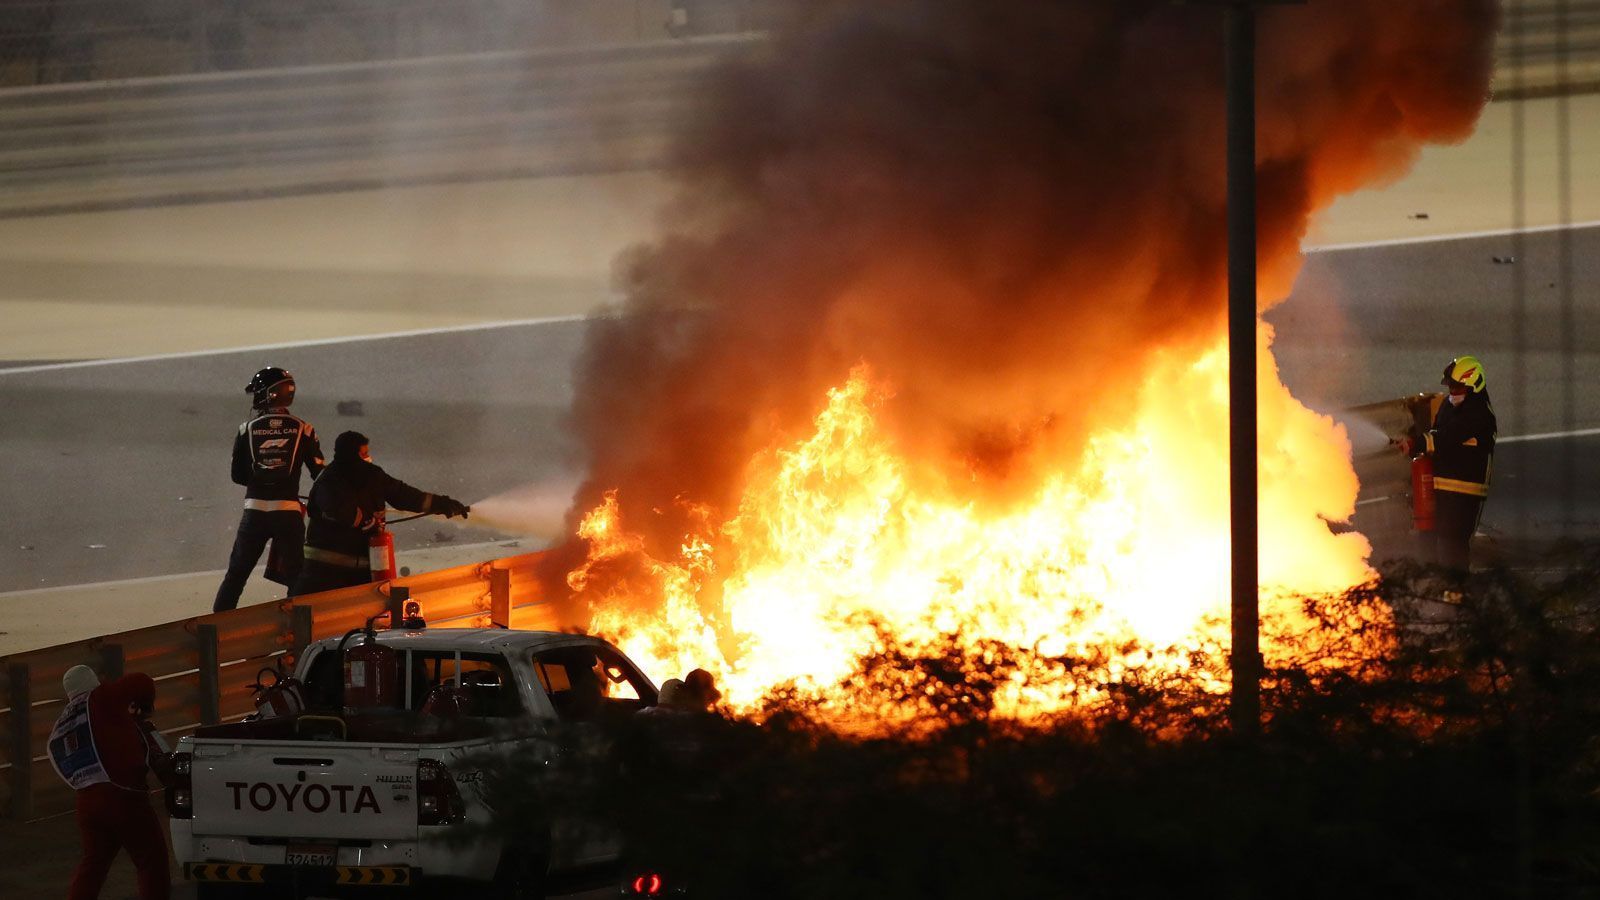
1004 208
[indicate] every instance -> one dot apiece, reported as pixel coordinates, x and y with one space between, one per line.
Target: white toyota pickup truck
368 783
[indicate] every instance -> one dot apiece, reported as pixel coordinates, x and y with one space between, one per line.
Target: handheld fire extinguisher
380 548
380 554
1422 499
283 696
370 671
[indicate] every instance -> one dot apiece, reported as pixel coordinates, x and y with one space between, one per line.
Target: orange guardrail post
210 675
21 750
111 662
302 629
500 596
398 595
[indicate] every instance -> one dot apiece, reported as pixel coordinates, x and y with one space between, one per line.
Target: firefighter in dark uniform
268 454
347 508
1462 445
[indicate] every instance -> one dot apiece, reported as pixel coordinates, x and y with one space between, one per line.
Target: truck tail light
438 800
180 794
649 884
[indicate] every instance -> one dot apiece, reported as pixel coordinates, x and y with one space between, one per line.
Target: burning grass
931 338
934 479
1458 759
955 368
839 548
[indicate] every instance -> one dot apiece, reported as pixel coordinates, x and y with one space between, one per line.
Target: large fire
930 344
1127 549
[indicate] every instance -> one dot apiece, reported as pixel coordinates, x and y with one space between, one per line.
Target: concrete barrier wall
204 666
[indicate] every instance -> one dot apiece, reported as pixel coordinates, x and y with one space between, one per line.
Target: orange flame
1126 547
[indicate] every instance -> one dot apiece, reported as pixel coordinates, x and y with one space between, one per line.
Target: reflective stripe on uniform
1460 487
1428 438
334 558
272 505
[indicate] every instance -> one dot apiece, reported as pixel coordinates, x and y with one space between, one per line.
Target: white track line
1441 238
550 320
1548 436
214 573
319 342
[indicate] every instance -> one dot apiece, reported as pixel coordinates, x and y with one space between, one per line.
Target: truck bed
363 728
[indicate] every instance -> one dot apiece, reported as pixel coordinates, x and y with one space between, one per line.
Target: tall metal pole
1245 702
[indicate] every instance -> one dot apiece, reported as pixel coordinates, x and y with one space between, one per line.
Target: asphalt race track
1373 323
119 470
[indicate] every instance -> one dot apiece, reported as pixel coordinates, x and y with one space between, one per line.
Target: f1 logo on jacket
269 452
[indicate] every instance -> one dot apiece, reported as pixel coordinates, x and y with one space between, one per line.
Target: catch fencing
1547 47
67 41
205 667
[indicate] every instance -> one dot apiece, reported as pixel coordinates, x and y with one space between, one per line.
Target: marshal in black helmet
271 386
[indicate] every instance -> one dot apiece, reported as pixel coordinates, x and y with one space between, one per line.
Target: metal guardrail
82 147
54 41
476 116
204 666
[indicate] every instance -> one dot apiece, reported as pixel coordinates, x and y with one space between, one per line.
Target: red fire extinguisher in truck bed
370 671
284 695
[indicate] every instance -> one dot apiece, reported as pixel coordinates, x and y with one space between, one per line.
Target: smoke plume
1010 211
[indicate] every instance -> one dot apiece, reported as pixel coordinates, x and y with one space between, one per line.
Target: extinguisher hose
347 636
409 518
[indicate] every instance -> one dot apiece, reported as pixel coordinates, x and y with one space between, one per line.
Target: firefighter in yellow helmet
1461 443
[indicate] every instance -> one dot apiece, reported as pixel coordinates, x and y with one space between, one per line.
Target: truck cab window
324 681
586 683
483 688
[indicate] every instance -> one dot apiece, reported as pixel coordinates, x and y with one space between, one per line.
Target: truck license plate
311 855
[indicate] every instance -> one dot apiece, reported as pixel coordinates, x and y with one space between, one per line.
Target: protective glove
450 508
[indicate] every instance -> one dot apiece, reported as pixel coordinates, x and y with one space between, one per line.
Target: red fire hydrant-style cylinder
1422 500
380 555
